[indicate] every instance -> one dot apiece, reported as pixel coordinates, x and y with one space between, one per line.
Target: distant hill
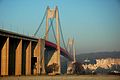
98 55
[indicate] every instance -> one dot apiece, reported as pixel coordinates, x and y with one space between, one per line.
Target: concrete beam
28 59
4 57
18 58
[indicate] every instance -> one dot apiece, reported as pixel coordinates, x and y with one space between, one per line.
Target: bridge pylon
71 48
72 51
55 59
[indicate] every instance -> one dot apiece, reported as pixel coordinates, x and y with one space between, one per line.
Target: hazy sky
95 24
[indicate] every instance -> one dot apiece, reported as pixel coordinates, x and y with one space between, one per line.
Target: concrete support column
28 59
4 57
18 58
37 54
42 48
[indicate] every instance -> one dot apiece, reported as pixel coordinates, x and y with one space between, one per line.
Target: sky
94 24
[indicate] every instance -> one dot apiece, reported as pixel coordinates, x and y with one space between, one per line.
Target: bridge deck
6 33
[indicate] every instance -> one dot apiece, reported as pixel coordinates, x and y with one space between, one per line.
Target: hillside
97 55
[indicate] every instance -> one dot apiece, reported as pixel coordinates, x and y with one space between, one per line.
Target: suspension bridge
32 55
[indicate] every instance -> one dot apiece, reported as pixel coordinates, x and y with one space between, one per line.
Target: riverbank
63 77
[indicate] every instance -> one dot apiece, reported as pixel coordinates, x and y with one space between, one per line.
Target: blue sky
95 24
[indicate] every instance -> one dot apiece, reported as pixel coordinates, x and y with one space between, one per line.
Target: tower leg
58 41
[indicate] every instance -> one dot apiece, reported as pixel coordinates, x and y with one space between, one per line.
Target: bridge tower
72 51
55 59
71 48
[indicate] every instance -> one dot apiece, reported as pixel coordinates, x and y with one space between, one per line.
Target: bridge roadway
17 41
34 39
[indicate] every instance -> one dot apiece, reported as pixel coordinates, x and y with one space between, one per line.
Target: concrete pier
5 56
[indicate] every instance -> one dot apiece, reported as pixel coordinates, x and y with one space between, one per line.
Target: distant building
107 65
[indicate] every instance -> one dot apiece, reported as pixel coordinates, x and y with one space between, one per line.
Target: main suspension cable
48 28
51 23
41 23
61 33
